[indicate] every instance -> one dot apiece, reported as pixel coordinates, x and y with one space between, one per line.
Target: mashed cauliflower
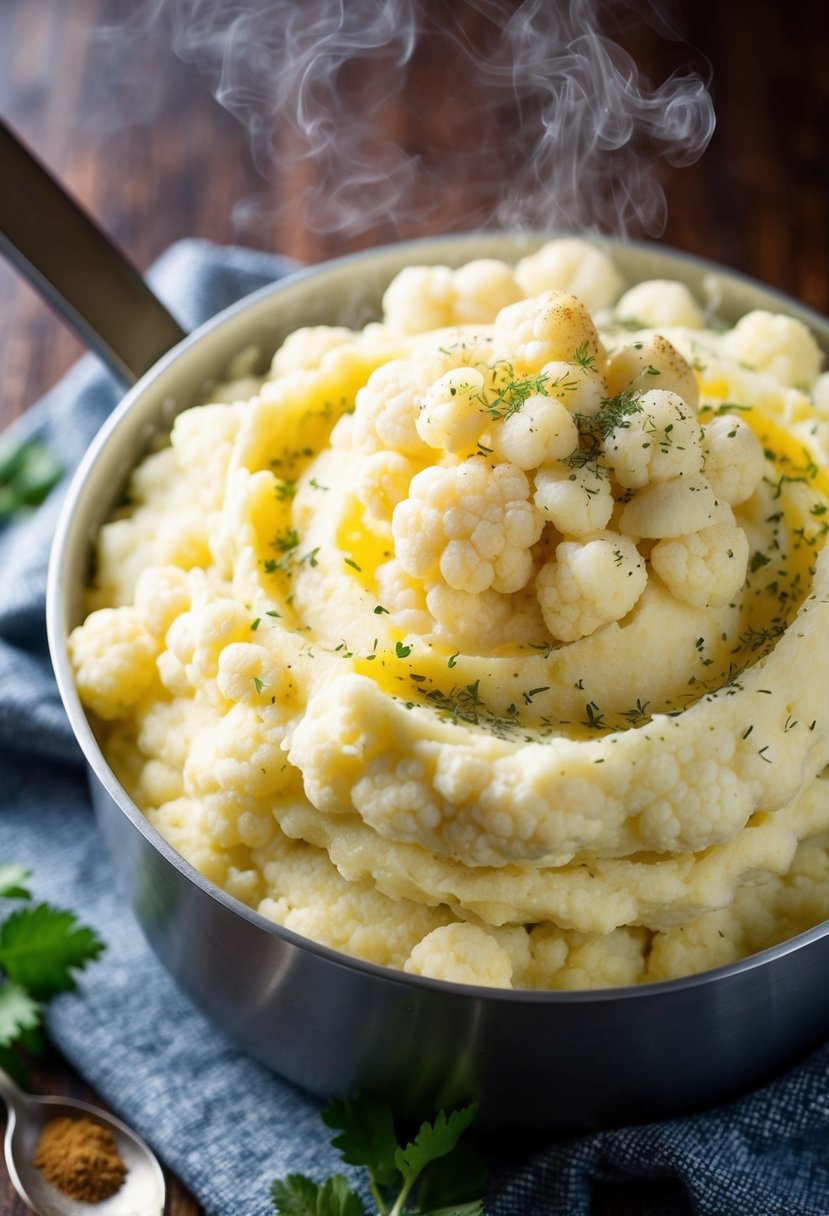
487 642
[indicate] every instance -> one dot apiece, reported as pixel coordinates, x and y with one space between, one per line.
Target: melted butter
362 546
718 388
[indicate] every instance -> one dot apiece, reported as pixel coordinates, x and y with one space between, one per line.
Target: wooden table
137 136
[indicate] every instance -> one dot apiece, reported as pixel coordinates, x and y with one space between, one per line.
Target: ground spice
80 1158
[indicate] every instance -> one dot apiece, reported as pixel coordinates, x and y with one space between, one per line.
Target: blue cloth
224 1124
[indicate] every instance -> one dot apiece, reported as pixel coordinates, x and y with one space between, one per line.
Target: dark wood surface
137 136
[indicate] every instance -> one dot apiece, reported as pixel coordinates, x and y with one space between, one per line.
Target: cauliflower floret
157 783
161 594
656 442
422 298
652 362
384 482
478 618
304 348
571 265
576 501
477 623
195 641
453 413
734 460
402 597
181 822
579 386
660 302
309 896
434 357
386 411
155 480
170 530
472 521
551 328
463 954
232 818
589 585
114 660
418 299
249 672
773 343
241 754
590 960
541 431
707 568
482 289
672 508
165 729
203 439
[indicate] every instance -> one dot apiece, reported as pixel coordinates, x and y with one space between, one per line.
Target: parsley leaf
431 1142
12 879
18 1012
40 946
431 1168
451 1180
28 471
297 1195
367 1134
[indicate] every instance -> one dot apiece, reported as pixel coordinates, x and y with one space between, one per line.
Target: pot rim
57 633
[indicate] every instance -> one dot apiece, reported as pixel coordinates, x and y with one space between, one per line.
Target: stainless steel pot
562 1060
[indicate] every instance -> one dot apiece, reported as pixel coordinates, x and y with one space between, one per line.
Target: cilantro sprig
28 471
41 947
430 1175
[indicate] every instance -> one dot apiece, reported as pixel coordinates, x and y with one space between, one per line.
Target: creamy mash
489 642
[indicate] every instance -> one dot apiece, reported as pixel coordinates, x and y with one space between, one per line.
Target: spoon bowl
142 1192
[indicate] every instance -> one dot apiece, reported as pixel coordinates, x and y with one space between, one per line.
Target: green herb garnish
514 391
40 949
585 360
28 471
430 1175
285 490
595 717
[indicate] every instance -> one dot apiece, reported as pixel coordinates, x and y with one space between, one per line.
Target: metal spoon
142 1192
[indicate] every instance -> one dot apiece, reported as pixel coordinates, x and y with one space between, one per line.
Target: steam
545 119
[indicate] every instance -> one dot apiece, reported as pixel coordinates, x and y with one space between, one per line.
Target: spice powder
80 1158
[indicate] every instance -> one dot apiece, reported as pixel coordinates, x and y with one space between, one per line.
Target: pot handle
77 268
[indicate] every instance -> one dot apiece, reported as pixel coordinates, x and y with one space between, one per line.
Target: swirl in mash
486 642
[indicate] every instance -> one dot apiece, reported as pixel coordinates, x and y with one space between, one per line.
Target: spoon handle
76 267
9 1092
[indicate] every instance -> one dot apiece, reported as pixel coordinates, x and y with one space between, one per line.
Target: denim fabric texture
223 1123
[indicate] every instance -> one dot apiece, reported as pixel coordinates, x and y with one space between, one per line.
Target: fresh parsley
430 1175
40 949
28 471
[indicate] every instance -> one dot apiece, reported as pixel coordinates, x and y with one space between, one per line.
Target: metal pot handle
76 267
